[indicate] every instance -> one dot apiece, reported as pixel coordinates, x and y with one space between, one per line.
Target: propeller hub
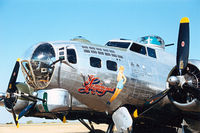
182 80
173 80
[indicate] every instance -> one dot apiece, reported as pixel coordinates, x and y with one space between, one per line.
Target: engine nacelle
184 99
18 103
57 100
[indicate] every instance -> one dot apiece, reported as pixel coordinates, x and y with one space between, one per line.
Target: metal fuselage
94 85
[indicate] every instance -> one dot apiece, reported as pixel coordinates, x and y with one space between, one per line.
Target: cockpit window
151 52
71 56
118 44
138 48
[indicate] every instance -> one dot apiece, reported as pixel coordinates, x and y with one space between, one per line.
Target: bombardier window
118 44
138 48
39 69
151 52
95 62
111 65
71 56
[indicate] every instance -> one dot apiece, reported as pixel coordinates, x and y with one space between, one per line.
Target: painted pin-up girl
121 80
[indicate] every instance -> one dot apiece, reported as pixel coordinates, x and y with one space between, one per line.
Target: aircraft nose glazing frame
39 68
30 71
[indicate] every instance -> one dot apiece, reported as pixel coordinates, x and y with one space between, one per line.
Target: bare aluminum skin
146 76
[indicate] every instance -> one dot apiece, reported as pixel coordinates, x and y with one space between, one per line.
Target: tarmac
73 127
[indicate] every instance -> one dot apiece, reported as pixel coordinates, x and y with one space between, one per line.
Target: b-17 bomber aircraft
133 85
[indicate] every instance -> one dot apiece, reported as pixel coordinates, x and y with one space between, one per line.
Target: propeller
12 94
181 64
10 97
182 58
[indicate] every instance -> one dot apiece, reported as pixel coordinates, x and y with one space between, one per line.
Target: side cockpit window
151 52
71 56
138 48
95 62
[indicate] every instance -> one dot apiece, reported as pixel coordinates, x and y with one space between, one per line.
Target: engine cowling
18 103
183 97
58 99
185 93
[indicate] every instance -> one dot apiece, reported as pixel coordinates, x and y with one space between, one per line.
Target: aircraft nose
39 69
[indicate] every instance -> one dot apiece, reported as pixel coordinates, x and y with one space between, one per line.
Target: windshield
39 69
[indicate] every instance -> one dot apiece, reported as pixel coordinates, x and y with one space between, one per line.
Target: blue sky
27 22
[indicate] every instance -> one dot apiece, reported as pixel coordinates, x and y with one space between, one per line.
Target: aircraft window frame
99 49
86 47
151 52
107 54
119 56
113 55
93 52
112 51
95 62
100 53
61 53
105 50
61 48
27 70
72 58
111 65
86 51
93 48
138 49
124 45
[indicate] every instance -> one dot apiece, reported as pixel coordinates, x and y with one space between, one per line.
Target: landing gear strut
91 127
110 128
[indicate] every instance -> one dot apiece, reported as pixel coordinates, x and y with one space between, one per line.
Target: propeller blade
154 100
29 97
26 110
13 77
15 117
183 45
